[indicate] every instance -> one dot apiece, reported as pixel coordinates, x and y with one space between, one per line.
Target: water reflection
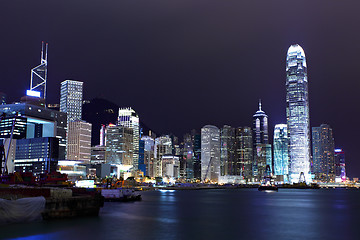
212 214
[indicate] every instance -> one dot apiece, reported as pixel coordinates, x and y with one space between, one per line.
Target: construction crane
5 155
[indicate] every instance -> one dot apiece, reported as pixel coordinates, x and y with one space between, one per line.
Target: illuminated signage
32 93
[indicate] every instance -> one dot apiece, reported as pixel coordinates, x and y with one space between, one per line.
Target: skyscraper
210 153
297 114
39 76
227 151
149 143
79 141
71 97
130 119
261 147
323 153
119 145
244 152
340 170
188 155
197 155
260 129
163 146
281 157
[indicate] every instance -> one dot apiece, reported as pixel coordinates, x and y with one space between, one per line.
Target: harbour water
212 214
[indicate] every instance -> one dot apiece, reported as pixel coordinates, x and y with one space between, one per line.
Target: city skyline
176 75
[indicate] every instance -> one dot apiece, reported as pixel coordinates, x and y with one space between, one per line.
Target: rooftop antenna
39 73
260 104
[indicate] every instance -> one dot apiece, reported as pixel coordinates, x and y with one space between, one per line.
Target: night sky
182 64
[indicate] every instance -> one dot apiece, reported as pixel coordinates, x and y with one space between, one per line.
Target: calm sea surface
212 214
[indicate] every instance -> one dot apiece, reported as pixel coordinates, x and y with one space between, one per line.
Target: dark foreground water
212 214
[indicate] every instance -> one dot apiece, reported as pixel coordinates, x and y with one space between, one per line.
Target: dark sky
182 64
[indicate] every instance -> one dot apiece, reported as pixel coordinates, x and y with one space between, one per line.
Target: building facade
40 122
98 155
197 155
162 147
71 97
340 165
210 153
188 156
323 153
79 141
129 118
119 145
37 155
281 156
297 114
244 152
170 167
262 156
228 159
149 144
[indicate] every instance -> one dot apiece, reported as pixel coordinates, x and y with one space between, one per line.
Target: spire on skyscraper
259 104
39 75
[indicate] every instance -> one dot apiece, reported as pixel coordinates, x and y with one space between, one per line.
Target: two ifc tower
297 115
297 107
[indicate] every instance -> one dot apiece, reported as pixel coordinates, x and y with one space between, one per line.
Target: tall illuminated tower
130 119
297 114
39 75
260 130
261 147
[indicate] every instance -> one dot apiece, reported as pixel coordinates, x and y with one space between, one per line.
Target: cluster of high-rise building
42 138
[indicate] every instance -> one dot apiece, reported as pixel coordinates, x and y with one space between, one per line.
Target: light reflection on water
211 214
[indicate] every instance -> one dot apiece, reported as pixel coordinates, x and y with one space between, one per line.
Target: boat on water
120 195
268 183
268 188
28 203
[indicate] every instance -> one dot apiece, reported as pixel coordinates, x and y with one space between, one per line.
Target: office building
129 118
142 165
40 122
228 159
188 156
170 167
79 141
244 152
162 147
323 153
281 156
210 153
149 143
261 147
37 155
197 155
260 127
340 168
102 135
71 97
98 155
297 114
119 145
